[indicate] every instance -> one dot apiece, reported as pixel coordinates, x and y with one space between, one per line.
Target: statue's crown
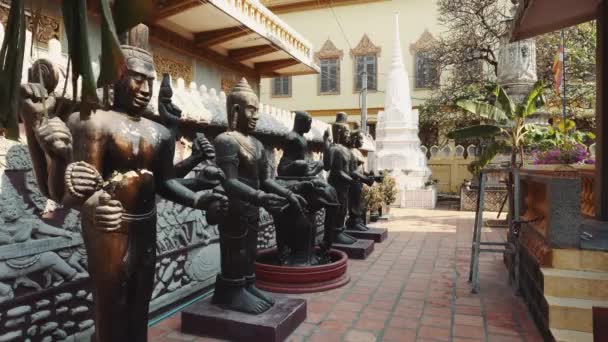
241 88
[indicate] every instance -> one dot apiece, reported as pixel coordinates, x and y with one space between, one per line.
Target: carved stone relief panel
48 27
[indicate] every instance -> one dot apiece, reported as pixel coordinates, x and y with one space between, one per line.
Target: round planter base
303 279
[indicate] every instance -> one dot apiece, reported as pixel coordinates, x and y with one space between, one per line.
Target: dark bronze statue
248 186
296 231
356 206
338 161
110 165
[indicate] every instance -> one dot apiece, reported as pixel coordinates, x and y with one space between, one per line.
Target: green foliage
11 65
388 188
373 197
467 58
558 134
513 128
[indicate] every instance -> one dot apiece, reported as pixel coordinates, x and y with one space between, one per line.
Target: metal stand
509 247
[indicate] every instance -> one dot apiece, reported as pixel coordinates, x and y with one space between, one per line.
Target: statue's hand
298 202
55 138
202 147
108 213
212 173
204 199
82 179
34 101
273 203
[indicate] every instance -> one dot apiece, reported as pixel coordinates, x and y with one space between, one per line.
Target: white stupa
397 141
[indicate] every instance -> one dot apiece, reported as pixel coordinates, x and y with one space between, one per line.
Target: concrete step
575 284
572 314
561 335
579 260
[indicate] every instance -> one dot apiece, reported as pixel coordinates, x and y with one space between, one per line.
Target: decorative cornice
172 67
365 47
329 50
426 42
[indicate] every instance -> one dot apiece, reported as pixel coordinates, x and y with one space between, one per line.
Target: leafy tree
467 58
503 119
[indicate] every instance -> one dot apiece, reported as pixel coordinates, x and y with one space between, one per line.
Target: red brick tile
441 334
305 329
357 298
360 336
468 310
469 331
468 320
171 323
436 321
399 335
370 324
349 306
492 329
344 315
461 339
404 322
503 338
154 332
334 326
314 318
438 311
324 336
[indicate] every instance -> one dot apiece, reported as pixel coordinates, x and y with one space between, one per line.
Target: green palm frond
484 110
112 59
503 101
533 101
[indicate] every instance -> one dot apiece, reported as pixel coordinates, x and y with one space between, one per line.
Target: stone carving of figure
356 207
249 186
338 161
110 165
18 225
296 233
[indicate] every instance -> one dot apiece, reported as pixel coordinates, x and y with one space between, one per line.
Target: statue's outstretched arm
172 188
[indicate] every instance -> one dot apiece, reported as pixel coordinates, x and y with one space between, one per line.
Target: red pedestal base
304 279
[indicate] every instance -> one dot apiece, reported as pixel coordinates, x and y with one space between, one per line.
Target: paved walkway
412 288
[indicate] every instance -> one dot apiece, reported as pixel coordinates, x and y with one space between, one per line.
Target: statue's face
138 91
357 140
345 135
303 124
248 114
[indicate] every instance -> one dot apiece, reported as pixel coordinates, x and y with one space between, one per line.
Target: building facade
346 45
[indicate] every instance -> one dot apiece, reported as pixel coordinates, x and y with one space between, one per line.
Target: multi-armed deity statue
110 165
248 186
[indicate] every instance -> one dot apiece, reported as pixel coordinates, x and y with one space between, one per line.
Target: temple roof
536 17
242 33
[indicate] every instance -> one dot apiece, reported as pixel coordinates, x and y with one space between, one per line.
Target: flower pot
373 217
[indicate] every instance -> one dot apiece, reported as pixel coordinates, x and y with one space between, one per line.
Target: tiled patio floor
412 288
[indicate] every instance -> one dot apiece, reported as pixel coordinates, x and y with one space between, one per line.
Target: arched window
365 56
329 58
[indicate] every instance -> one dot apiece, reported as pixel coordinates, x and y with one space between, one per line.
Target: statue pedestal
359 250
301 279
205 319
374 234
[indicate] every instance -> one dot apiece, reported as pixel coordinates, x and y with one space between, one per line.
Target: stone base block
359 250
418 199
276 324
374 234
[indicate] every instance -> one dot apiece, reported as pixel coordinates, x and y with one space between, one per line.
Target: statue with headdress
338 161
356 205
110 165
248 186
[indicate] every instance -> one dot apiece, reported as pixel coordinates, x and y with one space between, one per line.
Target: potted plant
388 188
561 143
372 196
